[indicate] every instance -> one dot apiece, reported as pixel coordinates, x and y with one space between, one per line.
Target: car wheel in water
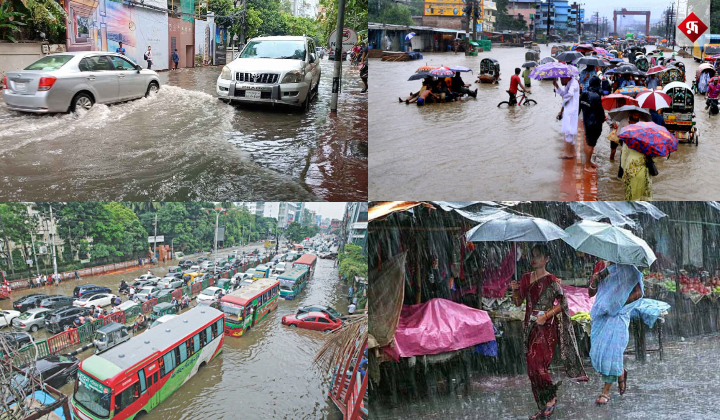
327 331
292 326
81 101
34 328
152 89
306 104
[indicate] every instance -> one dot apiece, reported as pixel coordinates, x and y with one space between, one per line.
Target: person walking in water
617 289
593 118
569 114
546 323
148 57
176 60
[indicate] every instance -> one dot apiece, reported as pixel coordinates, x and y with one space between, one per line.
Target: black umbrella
568 56
530 64
590 61
418 76
626 68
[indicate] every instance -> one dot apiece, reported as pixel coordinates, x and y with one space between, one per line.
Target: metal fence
27 353
86 331
118 316
165 298
63 340
132 312
148 305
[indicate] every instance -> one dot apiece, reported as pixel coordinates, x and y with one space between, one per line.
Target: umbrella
632 90
619 114
441 72
617 60
590 61
601 50
626 68
553 70
424 69
418 76
530 64
584 48
649 139
460 68
616 101
409 36
654 100
656 69
568 56
546 60
610 243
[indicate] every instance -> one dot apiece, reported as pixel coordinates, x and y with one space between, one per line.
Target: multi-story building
283 212
559 14
254 207
524 8
489 15
354 224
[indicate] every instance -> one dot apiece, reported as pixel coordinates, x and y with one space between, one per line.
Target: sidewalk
577 184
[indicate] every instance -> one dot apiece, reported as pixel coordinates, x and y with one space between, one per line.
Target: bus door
150 384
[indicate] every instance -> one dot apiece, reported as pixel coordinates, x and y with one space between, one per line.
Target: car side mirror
312 58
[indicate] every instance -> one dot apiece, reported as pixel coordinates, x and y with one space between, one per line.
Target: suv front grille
268 78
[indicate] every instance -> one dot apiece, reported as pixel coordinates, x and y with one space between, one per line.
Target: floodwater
680 386
185 144
267 373
461 150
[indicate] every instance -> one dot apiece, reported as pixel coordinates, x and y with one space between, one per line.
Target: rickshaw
533 54
111 335
162 308
489 70
224 284
642 63
704 73
617 53
673 74
557 49
679 117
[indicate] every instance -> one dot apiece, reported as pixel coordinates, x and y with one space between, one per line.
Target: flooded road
681 386
267 373
184 144
461 150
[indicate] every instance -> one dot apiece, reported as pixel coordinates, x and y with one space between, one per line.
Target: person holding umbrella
569 113
593 118
526 73
545 324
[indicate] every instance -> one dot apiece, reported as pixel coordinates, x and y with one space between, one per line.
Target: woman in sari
547 322
617 290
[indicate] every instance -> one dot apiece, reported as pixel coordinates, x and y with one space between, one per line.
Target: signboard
92 384
478 27
152 239
692 27
349 39
29 262
221 233
220 46
444 8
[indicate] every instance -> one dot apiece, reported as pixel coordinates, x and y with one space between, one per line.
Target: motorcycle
137 326
713 104
124 288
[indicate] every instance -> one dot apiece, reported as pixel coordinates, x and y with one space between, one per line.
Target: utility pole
7 246
474 23
338 57
548 21
155 237
52 239
32 240
217 220
673 26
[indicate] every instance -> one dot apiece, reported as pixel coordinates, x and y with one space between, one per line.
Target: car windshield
303 315
208 292
25 315
232 309
712 50
274 49
51 62
92 395
100 337
333 312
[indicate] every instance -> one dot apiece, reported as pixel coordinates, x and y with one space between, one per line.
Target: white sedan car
98 300
209 295
6 317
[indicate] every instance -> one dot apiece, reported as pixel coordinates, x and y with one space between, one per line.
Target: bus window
127 397
203 338
208 335
220 325
196 343
182 351
214 330
150 380
169 361
141 376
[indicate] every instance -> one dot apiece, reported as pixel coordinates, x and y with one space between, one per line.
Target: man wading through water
546 323
569 115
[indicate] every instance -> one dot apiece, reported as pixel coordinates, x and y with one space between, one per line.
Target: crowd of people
449 89
45 280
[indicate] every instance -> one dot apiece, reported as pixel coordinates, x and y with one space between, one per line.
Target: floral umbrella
654 100
424 69
649 139
441 72
656 69
553 71
632 90
616 101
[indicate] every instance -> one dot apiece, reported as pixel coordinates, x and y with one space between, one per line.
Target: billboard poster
220 46
100 25
444 8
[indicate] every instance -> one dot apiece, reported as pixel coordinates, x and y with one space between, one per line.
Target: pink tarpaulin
440 326
578 299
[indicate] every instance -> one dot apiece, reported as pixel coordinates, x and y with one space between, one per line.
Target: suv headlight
295 76
226 73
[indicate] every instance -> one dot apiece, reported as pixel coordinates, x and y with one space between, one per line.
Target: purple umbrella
442 72
461 69
553 71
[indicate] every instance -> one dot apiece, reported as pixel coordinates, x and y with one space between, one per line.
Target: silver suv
273 70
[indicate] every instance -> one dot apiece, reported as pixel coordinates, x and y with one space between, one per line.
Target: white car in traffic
209 295
98 300
6 317
273 70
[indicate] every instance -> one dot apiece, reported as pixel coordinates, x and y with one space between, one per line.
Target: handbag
652 169
613 137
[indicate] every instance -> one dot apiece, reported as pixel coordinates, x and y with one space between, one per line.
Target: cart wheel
697 138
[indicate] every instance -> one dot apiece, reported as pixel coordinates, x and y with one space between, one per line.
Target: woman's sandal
540 415
622 382
600 400
549 410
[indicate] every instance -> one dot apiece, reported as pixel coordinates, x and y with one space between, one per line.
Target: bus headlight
226 73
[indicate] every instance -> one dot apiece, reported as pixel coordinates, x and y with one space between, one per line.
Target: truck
706 46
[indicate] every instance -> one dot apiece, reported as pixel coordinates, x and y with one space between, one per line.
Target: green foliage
356 16
9 22
297 233
352 263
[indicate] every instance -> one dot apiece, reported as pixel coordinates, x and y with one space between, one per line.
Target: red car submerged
317 321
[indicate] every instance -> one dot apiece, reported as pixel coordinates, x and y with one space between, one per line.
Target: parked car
56 302
6 317
97 300
280 267
88 289
273 70
147 293
200 260
110 335
69 81
317 321
29 302
31 320
195 268
127 305
17 340
185 264
209 295
62 319
146 277
321 308
177 275
171 283
55 370
139 284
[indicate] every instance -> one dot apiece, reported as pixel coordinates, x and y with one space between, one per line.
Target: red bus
307 261
248 305
139 374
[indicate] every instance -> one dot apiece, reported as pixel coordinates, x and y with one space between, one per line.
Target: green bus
293 282
248 305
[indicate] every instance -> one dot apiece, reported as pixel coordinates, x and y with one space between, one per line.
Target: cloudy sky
606 7
331 210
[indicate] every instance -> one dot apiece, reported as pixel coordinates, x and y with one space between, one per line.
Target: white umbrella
609 243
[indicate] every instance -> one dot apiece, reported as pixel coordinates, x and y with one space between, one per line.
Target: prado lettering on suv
274 70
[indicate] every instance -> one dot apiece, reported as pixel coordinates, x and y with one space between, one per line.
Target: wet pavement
681 386
459 150
267 373
185 144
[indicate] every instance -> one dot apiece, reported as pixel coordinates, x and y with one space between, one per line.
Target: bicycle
522 100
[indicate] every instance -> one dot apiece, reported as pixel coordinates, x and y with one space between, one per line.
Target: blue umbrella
461 68
617 60
409 36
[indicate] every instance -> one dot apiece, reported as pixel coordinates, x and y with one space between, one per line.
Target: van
79 291
110 336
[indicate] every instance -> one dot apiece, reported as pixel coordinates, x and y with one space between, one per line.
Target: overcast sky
606 7
331 210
